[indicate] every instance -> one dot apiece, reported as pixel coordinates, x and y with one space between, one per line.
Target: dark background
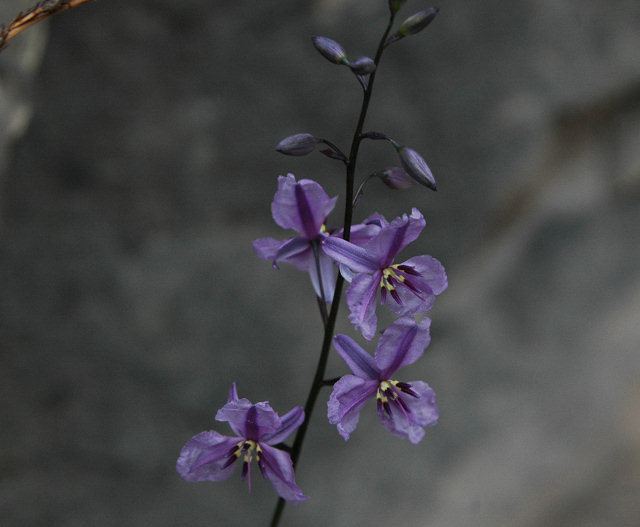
137 166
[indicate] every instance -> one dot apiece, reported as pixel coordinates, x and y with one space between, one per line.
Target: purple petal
361 299
376 219
292 250
277 467
349 254
431 270
249 420
361 233
347 399
233 393
346 273
268 248
395 237
261 421
402 343
426 280
358 360
204 455
422 412
235 413
410 303
302 206
328 272
289 422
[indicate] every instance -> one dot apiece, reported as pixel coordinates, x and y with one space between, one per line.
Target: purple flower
405 408
210 456
304 206
407 288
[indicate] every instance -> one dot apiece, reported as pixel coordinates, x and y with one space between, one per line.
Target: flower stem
318 378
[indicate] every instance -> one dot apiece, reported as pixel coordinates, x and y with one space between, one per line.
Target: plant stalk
318 378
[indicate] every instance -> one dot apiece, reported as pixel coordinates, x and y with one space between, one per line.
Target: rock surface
131 297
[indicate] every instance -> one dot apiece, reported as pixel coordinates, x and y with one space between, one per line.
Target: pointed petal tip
233 392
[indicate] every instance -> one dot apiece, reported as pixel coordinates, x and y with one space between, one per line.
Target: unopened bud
330 50
395 5
396 178
414 24
416 167
297 145
363 66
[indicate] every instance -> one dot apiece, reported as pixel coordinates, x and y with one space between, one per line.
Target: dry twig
39 12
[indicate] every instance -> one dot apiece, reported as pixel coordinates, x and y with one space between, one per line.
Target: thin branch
41 11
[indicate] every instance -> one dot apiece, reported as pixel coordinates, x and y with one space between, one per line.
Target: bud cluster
335 53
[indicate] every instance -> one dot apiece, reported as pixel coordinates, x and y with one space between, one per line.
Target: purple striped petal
293 249
431 272
347 399
361 299
328 273
235 413
349 254
277 467
346 273
358 360
402 343
418 413
395 237
267 249
233 393
289 422
302 206
203 457
249 420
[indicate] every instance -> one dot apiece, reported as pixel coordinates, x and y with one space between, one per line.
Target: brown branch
39 12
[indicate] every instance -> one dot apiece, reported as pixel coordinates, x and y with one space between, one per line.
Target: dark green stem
318 378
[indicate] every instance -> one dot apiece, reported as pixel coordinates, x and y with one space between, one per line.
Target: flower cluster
365 255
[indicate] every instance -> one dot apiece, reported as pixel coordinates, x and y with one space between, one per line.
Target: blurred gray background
137 166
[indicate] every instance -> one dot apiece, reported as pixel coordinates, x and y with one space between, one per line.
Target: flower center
395 275
391 276
245 449
389 393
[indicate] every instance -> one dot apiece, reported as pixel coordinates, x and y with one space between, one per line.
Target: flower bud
330 50
362 66
395 5
414 24
396 178
297 145
416 167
